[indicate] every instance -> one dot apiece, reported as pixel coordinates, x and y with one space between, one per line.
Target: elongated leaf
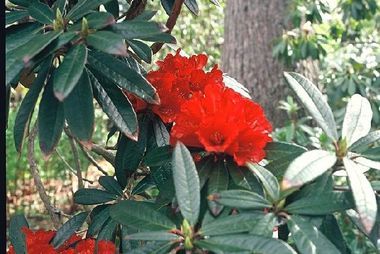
68 229
79 109
360 144
315 205
146 15
357 120
158 156
111 185
19 34
13 16
236 86
93 196
96 20
24 3
17 58
83 7
278 150
231 224
153 247
108 230
330 228
121 74
372 154
50 120
237 175
117 107
107 42
265 225
313 101
308 238
41 12
153 236
140 215
367 162
163 178
238 243
98 221
307 167
113 7
363 193
141 49
192 6
161 134
59 4
268 180
16 236
218 181
70 71
186 183
24 114
241 199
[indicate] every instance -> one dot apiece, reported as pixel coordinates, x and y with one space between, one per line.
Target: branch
93 161
76 157
53 212
170 23
107 155
136 8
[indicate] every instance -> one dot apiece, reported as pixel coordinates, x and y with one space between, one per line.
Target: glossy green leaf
69 71
192 6
59 4
269 181
95 20
154 236
19 34
41 12
186 183
68 229
308 238
24 114
17 58
367 162
16 236
265 225
107 42
108 230
153 248
121 74
231 224
313 101
116 106
141 49
113 7
79 109
278 150
307 167
330 228
239 243
50 120
111 185
357 120
362 143
13 16
372 154
161 134
163 178
93 196
146 15
241 199
363 193
242 177
83 7
140 215
98 221
218 181
158 156
24 3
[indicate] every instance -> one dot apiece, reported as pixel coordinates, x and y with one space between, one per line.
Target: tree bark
251 28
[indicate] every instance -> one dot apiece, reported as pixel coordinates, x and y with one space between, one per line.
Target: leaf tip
60 96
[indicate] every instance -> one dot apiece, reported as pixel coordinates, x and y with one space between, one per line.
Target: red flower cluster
205 112
37 242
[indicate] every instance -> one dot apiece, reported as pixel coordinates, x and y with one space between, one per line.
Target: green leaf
242 177
153 248
360 144
93 196
79 109
218 181
241 199
144 30
278 150
186 183
372 154
68 229
161 134
111 185
146 15
308 238
330 228
265 225
113 7
269 181
83 7
357 120
107 231
158 156
239 243
50 120
192 6
313 101
367 162
117 107
17 58
41 12
16 236
96 20
19 34
315 205
154 236
140 215
24 114
121 74
59 4
231 224
98 221
107 42
142 50
69 71
13 16
163 178
363 193
307 167
23 3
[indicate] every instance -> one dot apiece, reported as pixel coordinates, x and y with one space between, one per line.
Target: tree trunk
250 30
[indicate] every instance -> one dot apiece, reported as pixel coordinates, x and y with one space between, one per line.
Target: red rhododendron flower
87 246
222 121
